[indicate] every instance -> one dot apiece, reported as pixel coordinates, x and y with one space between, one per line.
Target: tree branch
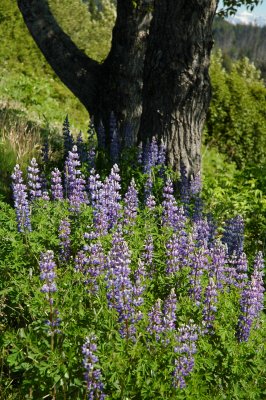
78 72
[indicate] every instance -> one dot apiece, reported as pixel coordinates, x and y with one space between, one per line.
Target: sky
258 15
258 10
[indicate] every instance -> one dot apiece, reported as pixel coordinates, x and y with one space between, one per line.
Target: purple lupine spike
45 195
21 203
151 203
101 136
110 197
131 204
147 255
169 312
241 270
148 187
219 260
154 152
81 262
120 293
91 157
201 232
233 235
56 185
210 308
156 326
146 159
173 216
94 266
67 136
177 252
34 180
199 263
162 154
81 148
64 237
75 182
114 138
251 304
94 186
140 154
48 275
93 376
185 350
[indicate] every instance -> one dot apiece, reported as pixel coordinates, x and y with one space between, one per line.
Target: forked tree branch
76 70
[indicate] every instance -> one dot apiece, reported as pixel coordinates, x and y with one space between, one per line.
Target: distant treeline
238 41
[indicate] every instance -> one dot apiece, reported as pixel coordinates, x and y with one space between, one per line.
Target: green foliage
26 79
228 192
236 122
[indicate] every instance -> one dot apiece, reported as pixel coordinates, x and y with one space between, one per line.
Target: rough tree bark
176 92
167 98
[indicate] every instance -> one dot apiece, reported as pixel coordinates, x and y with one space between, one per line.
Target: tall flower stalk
21 203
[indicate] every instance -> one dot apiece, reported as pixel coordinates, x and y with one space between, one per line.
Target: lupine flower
151 203
48 275
21 201
120 293
177 252
94 266
109 198
68 138
148 187
156 326
154 152
185 350
93 376
210 308
56 185
201 232
81 262
233 235
173 216
131 204
34 180
81 148
162 154
218 255
146 159
64 236
94 186
241 265
169 312
140 153
75 183
199 264
114 146
101 136
251 302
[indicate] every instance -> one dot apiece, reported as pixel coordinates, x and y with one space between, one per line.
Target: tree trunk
121 83
155 78
176 92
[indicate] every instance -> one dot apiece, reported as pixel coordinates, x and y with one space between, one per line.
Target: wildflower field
118 283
